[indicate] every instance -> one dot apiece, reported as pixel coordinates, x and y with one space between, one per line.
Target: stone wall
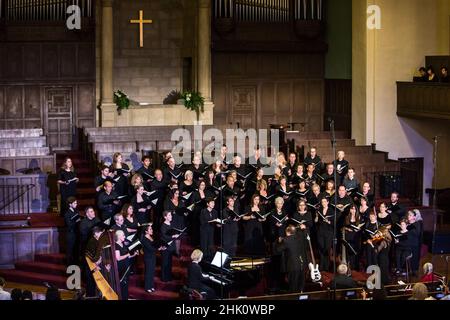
148 74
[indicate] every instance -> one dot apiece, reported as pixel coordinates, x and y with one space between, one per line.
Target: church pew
24 152
21 133
13 164
28 142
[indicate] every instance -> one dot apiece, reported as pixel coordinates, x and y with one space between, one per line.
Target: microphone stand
336 187
433 245
221 233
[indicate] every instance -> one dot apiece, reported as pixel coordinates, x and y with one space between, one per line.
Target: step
19 143
320 144
319 135
54 258
25 152
16 133
33 278
138 281
42 267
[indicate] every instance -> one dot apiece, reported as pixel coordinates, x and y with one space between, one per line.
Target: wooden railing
43 10
268 10
423 100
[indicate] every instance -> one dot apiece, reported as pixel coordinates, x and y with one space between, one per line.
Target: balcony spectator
444 75
422 75
431 75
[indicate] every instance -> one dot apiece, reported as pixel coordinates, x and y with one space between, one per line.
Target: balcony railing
423 100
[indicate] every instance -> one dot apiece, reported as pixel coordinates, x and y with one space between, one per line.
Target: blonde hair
419 292
260 183
196 255
115 156
134 177
187 174
118 234
279 200
427 268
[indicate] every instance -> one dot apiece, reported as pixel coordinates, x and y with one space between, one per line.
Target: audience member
16 294
431 75
4 295
422 75
443 77
27 295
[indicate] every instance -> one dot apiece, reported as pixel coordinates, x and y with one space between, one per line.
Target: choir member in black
141 204
370 231
314 159
199 199
351 183
294 247
257 161
395 209
168 241
188 186
150 247
352 235
86 225
302 218
415 230
297 176
124 258
67 182
278 224
365 193
253 229
196 279
328 175
207 228
341 165
325 233
197 168
314 199
301 192
108 203
121 173
329 190
146 171
342 205
119 225
104 176
231 227
291 165
176 205
285 192
384 218
172 173
241 170
212 181
71 218
274 181
402 247
225 158
310 177
265 197
130 221
160 186
232 190
136 181
364 210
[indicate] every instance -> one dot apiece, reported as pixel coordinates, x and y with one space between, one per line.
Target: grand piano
234 277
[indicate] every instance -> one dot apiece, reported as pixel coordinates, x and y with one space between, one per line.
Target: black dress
149 262
142 217
230 232
71 220
253 234
66 190
207 232
325 239
121 182
166 266
123 266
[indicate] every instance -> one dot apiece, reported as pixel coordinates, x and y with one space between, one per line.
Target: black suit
197 281
294 249
343 281
70 219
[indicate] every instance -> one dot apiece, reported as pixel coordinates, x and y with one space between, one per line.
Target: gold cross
141 22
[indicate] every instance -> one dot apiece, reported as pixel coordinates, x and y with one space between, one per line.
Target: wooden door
243 106
59 124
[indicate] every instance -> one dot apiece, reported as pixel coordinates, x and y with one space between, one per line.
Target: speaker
389 184
441 243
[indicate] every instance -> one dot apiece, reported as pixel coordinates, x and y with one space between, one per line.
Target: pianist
196 279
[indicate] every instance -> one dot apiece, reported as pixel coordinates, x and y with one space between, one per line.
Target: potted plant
194 102
121 100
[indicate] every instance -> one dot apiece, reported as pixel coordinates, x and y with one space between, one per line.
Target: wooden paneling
289 87
14 95
338 104
419 100
46 163
22 244
49 61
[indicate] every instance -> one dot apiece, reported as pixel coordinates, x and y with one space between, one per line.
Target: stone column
204 52
108 108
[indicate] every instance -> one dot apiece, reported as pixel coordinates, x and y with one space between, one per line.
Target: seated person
196 279
428 274
422 75
342 280
431 75
443 77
